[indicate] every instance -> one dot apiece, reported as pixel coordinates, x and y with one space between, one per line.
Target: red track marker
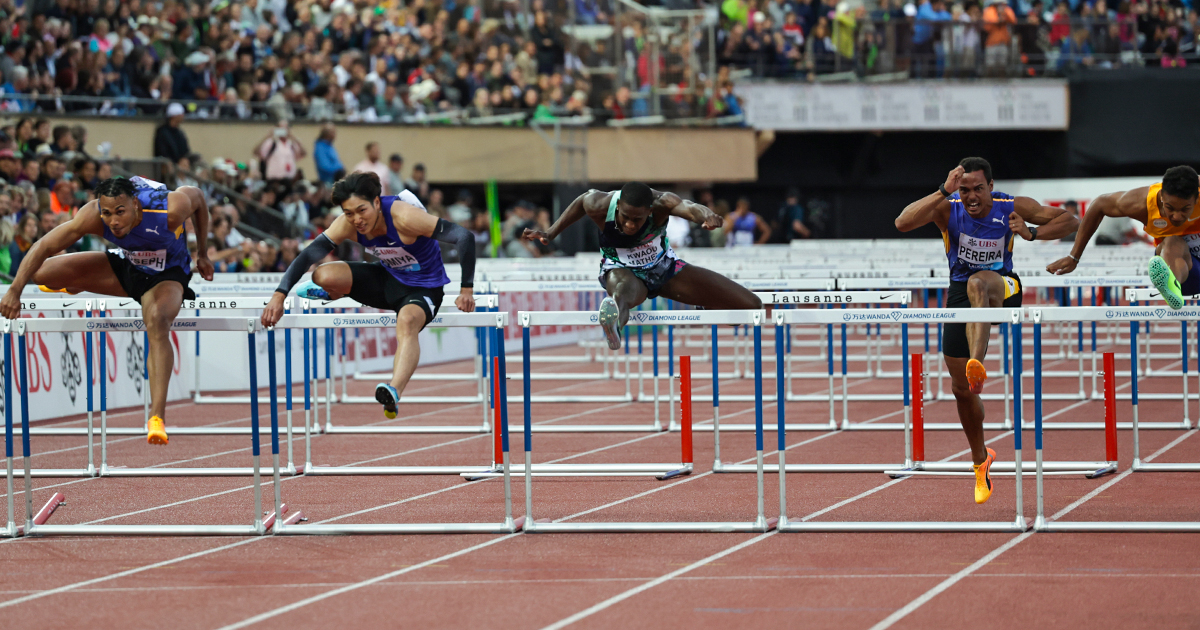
1110 406
498 455
918 407
685 403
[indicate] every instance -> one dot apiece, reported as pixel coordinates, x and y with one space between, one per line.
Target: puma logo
996 220
154 231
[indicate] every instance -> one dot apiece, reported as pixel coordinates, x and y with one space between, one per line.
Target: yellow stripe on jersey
1012 286
946 240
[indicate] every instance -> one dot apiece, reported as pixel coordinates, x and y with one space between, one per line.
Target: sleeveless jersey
640 251
151 245
1159 227
743 231
979 244
418 264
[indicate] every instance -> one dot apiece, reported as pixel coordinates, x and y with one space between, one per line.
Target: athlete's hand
1062 265
1017 225
465 300
273 311
712 222
205 267
10 305
536 235
954 178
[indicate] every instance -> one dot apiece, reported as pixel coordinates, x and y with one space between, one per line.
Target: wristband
942 189
1072 257
1033 232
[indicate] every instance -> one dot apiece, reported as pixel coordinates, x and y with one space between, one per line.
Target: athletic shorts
1191 284
373 286
954 336
137 282
653 277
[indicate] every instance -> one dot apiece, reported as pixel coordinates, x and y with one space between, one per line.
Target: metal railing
897 49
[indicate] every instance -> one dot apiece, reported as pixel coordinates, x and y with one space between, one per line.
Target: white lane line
924 598
357 585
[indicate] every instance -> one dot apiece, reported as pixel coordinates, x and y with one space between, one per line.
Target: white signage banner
908 106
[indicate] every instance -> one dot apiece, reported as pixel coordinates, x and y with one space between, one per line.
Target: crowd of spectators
960 38
317 59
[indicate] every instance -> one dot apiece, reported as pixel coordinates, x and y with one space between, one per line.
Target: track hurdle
1133 315
667 318
492 321
260 524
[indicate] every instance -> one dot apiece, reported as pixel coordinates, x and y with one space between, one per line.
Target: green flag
494 211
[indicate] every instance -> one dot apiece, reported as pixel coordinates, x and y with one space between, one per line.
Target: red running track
876 580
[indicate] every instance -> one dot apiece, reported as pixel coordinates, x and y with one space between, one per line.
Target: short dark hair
419 167
60 132
395 157
1181 181
973 164
361 184
637 195
1070 203
371 144
115 187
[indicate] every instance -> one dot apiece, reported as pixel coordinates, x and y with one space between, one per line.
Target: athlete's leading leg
985 289
335 278
1169 268
698 286
160 305
409 322
970 407
625 292
77 273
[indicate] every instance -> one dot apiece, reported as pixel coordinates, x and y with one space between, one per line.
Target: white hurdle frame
321 321
669 318
260 524
1133 315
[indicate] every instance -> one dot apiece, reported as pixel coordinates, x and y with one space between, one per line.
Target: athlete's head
975 187
1180 185
634 207
358 196
119 208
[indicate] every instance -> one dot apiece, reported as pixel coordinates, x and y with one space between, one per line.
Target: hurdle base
911 526
381 430
414 400
337 471
596 428
929 426
1119 526
42 515
387 376
118 471
1139 466
713 527
43 473
606 398
145 530
141 431
820 426
806 468
510 527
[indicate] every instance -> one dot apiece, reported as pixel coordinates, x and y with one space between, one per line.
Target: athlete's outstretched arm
86 221
574 212
414 221
185 202
1055 223
1110 205
338 231
930 208
692 211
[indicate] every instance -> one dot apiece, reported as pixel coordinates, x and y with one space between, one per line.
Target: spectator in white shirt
373 165
279 153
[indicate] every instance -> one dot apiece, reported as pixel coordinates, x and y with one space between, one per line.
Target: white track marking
908 608
357 585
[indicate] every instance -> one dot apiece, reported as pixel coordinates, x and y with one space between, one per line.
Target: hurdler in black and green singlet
637 260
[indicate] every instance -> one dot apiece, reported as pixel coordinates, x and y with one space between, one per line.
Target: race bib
981 253
643 255
396 258
1193 243
744 238
156 260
